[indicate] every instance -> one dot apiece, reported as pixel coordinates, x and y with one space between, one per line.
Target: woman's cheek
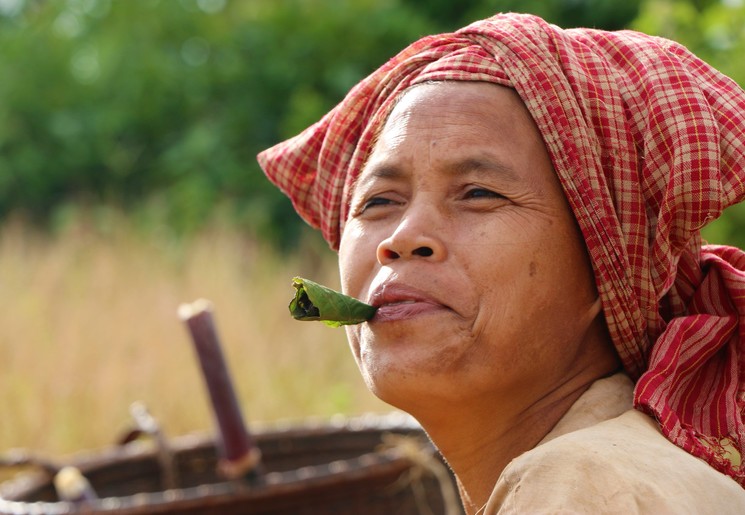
357 260
353 337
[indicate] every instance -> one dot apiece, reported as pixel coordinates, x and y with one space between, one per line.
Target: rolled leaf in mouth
315 302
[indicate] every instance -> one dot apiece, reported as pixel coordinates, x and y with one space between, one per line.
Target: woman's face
460 234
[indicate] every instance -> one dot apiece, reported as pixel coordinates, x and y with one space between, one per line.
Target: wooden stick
147 424
240 456
72 486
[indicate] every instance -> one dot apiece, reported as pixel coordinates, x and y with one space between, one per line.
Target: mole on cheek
532 268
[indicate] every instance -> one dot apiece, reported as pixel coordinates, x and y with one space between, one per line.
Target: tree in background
449 15
159 107
715 31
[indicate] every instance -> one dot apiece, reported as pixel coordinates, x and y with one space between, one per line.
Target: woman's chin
410 401
408 390
402 369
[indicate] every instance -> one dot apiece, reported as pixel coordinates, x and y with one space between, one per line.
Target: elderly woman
523 203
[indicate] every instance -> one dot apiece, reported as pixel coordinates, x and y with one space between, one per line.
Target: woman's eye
481 193
375 201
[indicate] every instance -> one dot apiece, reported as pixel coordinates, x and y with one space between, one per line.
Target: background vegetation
158 108
128 184
89 325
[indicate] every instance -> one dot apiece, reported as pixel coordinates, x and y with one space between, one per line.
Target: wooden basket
367 465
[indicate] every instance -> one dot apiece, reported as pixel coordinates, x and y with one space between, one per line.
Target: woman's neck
479 441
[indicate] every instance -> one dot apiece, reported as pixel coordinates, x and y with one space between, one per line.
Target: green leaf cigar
315 302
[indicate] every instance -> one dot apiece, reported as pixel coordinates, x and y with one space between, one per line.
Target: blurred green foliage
450 15
715 31
159 107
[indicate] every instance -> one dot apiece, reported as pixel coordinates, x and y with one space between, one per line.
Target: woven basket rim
324 475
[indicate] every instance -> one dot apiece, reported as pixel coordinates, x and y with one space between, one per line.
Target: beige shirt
604 457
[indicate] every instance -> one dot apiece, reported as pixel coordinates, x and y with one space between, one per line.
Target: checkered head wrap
648 142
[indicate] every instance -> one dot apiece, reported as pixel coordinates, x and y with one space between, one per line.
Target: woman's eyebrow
483 166
378 171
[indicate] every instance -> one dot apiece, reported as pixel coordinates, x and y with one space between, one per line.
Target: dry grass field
88 325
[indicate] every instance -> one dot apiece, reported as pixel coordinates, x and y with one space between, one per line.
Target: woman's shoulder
622 465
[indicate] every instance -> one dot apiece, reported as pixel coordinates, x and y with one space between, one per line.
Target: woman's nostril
391 254
386 253
423 251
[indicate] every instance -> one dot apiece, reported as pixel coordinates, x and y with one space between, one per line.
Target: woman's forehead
453 96
474 111
451 131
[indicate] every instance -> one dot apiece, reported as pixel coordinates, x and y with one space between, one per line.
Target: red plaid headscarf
649 144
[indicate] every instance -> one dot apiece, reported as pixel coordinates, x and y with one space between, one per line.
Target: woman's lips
400 302
404 310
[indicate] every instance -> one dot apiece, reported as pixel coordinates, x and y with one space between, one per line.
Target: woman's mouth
400 302
404 310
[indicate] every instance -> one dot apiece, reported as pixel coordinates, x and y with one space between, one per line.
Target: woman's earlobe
595 309
597 306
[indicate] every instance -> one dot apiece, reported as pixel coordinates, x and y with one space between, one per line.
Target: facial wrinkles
420 155
433 143
445 130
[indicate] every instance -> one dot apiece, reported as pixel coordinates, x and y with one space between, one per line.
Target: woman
522 204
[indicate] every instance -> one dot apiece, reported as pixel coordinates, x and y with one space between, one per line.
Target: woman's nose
413 238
